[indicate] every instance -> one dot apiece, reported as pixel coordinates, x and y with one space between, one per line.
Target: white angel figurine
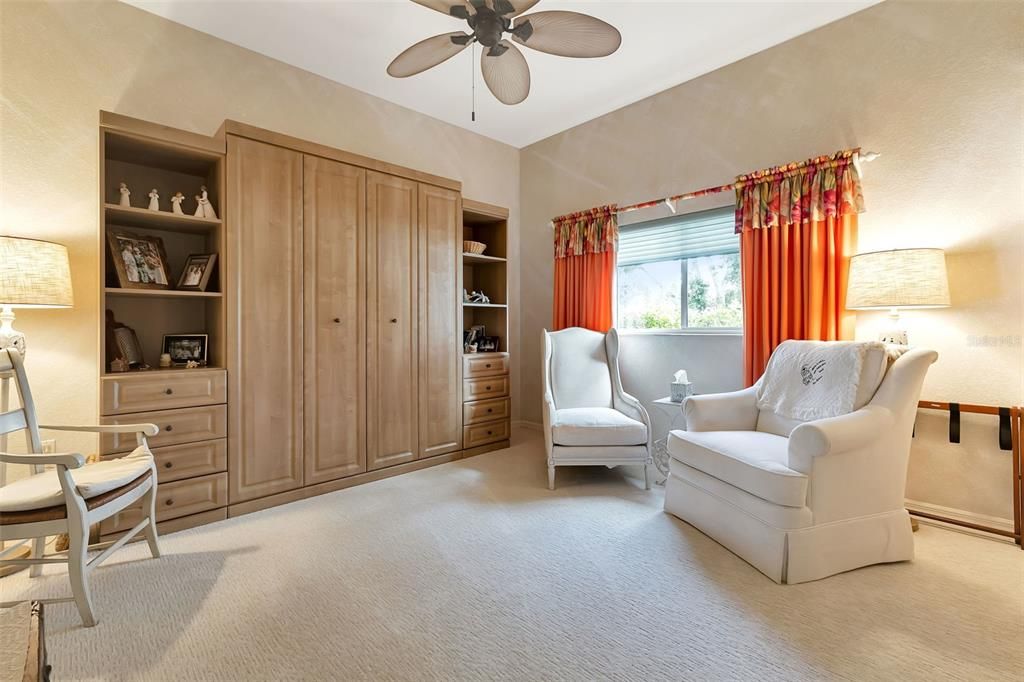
154 200
125 194
204 209
176 203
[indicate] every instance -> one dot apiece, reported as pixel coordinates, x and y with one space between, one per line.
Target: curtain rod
671 201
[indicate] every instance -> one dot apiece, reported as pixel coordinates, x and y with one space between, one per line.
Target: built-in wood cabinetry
265 319
334 234
335 316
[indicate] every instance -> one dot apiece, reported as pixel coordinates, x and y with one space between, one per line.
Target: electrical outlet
49 446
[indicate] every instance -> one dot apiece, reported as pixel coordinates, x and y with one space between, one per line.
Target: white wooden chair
72 495
588 418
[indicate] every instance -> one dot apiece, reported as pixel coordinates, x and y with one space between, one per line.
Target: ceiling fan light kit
493 23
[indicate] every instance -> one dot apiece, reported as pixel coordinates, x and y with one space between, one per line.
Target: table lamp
902 278
33 274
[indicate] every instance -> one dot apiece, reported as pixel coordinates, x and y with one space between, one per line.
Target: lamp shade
904 278
34 274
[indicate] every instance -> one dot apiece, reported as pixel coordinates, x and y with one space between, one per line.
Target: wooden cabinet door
391 318
334 233
264 299
440 323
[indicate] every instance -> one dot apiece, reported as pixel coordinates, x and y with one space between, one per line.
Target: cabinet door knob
168 391
337 320
168 428
394 320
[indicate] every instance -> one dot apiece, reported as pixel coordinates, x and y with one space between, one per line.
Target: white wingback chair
801 501
588 418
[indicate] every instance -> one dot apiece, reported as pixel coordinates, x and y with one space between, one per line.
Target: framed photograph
195 276
140 261
488 344
185 348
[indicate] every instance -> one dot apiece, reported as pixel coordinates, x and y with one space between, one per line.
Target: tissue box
680 390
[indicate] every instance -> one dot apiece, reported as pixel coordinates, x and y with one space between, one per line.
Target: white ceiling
352 41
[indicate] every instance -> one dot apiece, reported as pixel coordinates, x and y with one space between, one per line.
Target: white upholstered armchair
802 500
588 418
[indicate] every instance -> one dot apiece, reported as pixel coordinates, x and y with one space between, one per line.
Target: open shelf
161 293
478 258
157 220
485 305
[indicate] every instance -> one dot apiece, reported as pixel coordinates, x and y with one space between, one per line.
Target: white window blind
706 233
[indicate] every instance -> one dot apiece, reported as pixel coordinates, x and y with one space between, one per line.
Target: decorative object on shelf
479 297
476 248
495 25
165 360
488 344
140 261
126 194
33 274
123 349
204 208
191 364
186 348
465 296
471 337
902 278
176 203
680 388
154 200
195 276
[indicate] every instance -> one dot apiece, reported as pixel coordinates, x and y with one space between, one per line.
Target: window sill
695 331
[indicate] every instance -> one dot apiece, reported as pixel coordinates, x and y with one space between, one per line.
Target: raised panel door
440 324
264 298
392 336
334 232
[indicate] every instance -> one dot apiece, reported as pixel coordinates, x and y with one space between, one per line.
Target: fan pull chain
472 78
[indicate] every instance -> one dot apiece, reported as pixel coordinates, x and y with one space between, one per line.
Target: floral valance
592 231
796 193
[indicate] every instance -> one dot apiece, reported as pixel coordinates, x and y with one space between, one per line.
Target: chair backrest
12 367
577 368
873 372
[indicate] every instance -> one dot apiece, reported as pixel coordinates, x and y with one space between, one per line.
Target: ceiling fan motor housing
490 25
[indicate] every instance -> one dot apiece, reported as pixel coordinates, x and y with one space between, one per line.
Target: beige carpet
473 570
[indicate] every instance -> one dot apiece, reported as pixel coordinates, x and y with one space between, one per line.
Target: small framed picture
195 276
488 344
185 348
140 261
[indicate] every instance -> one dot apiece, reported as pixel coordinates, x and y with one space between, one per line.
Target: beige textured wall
937 88
64 61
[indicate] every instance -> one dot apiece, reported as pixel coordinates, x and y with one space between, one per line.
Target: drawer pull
169 502
168 428
167 465
488 365
489 410
394 320
169 391
487 388
490 433
337 320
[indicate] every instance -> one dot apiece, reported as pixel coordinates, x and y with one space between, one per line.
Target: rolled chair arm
736 411
145 429
846 433
71 460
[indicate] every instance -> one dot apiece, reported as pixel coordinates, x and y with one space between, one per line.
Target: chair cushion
92 480
750 460
596 426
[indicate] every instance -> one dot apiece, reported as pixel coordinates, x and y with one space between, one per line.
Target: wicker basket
474 247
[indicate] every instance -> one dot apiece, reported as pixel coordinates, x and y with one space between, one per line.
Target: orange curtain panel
798 231
585 244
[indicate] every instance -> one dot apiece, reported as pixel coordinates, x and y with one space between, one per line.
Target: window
681 272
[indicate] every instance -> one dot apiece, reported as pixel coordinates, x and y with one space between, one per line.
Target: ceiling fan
493 23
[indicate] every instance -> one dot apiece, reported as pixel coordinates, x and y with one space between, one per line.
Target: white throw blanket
808 380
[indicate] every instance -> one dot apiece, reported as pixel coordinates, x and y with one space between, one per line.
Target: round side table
660 455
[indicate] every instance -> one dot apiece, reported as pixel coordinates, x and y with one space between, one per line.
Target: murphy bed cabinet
335 319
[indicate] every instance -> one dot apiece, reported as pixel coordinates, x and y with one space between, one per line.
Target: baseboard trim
532 426
996 522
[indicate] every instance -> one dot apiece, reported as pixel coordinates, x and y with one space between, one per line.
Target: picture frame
139 260
185 348
197 271
488 344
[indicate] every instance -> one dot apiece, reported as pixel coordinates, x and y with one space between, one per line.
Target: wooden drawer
485 433
180 498
145 391
176 426
176 462
484 365
487 387
485 411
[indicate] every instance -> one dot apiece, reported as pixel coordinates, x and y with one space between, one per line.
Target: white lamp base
9 336
894 335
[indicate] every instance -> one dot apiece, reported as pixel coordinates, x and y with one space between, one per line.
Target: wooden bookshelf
158 220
